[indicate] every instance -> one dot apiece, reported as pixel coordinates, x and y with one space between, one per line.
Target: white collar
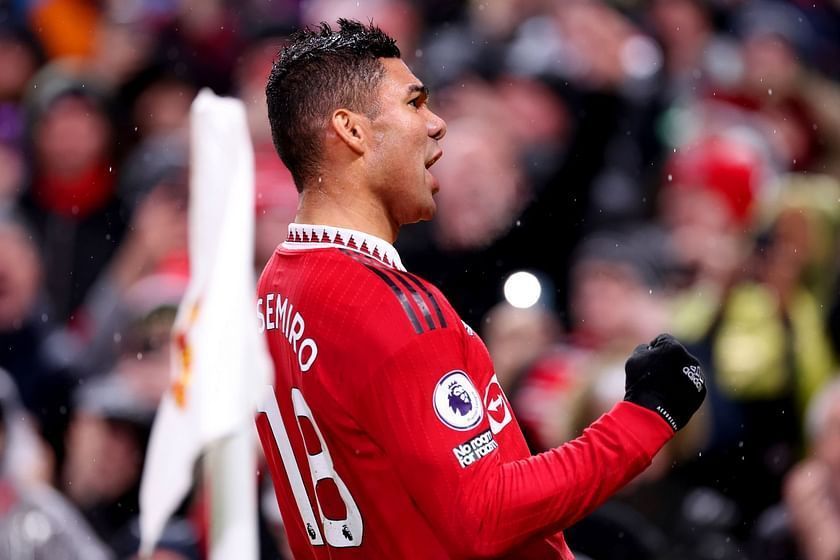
308 236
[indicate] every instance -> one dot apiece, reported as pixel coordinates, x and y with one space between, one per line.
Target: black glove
665 378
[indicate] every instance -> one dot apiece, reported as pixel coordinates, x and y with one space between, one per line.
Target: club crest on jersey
457 402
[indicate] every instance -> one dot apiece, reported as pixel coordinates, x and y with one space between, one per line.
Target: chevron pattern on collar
309 236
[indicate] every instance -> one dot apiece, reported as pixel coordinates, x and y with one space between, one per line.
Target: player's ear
350 128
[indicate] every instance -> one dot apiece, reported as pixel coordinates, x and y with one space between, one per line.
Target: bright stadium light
522 289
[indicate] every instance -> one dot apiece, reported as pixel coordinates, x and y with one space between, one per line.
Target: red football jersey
387 433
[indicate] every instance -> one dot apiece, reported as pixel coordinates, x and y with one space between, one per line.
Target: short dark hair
319 71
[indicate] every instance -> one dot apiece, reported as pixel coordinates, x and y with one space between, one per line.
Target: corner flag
219 360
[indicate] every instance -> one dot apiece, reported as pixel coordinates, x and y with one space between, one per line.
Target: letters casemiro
278 314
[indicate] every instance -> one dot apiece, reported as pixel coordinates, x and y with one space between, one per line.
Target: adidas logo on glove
694 374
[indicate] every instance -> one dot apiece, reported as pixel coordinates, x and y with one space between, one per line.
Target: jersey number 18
340 533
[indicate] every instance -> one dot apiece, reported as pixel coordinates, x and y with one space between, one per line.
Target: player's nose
436 126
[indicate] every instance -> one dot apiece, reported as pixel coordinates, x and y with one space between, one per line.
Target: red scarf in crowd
77 196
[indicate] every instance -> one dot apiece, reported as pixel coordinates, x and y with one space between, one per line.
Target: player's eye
416 102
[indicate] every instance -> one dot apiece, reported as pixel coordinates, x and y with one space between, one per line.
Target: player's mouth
434 159
429 163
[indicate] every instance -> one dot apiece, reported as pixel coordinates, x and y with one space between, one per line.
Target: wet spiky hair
319 71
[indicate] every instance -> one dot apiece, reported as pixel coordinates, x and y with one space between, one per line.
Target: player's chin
425 205
422 210
427 211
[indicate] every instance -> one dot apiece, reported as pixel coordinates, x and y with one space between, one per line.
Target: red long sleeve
506 498
557 488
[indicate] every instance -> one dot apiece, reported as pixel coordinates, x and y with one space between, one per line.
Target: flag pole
230 471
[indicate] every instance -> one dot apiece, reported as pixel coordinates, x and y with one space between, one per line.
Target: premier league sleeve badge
457 402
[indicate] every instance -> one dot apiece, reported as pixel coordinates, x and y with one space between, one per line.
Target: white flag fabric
219 359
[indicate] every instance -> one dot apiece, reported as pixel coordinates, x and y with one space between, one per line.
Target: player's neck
346 208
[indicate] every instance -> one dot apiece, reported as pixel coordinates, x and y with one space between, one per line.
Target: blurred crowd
658 165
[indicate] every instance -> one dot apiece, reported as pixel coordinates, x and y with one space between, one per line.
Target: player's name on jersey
471 451
277 313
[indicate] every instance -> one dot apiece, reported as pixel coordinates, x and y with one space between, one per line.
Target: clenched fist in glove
665 378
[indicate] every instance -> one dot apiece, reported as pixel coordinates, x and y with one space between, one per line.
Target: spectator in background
35 520
616 277
774 33
615 70
20 57
812 489
707 205
21 279
770 349
204 38
485 190
71 198
124 44
106 443
25 326
148 313
155 130
160 99
804 525
155 246
782 305
695 56
779 89
25 458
